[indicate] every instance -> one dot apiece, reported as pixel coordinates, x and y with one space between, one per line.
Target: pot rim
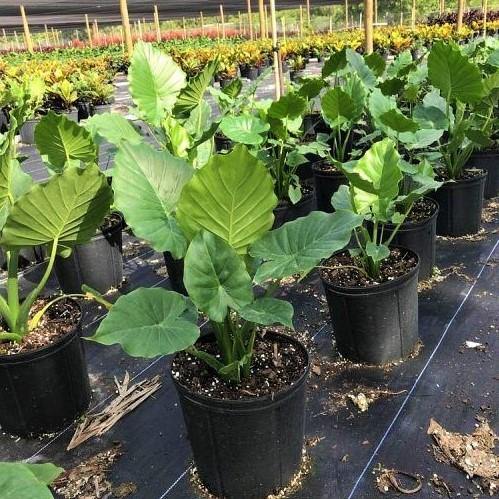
453 184
408 226
485 153
376 288
326 173
305 199
250 403
22 357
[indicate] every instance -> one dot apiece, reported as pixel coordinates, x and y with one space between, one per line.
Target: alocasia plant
60 213
374 192
224 213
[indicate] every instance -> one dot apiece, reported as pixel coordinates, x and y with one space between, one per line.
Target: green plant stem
223 341
10 337
33 323
13 285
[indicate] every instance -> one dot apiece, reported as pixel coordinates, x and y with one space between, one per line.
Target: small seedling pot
44 390
289 212
175 270
487 161
375 325
419 237
460 205
296 74
246 449
84 110
98 263
326 182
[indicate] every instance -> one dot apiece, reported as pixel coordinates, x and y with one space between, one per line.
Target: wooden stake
95 29
485 5
301 21
308 14
250 19
222 20
375 11
184 28
330 24
139 24
202 23
89 32
460 13
125 20
275 50
17 40
261 12
156 23
368 25
283 27
413 14
240 22
346 14
266 22
4 35
27 34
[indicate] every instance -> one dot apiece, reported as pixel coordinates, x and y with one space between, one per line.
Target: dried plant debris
474 454
481 235
88 480
390 480
441 486
133 248
124 489
490 212
129 397
440 275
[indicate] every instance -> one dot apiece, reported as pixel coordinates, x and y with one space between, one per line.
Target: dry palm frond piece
129 397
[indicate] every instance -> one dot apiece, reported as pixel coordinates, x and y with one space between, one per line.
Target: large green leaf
113 127
335 63
298 246
337 107
376 63
289 106
268 311
193 94
453 74
244 129
69 208
62 142
378 171
232 196
27 481
398 122
359 65
215 276
147 186
149 322
155 82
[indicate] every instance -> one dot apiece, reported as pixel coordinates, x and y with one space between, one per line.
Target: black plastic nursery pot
421 238
84 110
313 123
247 449
376 324
460 205
44 390
222 143
175 270
98 263
287 212
487 161
326 182
27 131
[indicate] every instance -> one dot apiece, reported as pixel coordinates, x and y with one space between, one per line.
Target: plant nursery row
270 216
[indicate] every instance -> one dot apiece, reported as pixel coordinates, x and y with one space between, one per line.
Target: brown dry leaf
439 483
129 397
124 489
474 454
390 480
88 480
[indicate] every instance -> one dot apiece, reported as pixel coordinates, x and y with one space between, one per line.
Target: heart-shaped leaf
149 322
62 142
337 107
113 127
298 246
232 197
289 106
267 311
68 208
215 276
453 73
244 129
147 186
155 82
398 122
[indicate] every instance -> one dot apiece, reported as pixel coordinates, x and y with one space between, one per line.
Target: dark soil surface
422 210
59 320
307 190
340 271
278 364
442 175
110 222
326 167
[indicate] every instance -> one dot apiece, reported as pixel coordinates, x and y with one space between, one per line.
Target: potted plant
44 383
62 98
97 263
297 67
248 375
372 290
461 85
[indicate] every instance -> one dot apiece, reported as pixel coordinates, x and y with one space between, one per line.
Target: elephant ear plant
460 88
372 289
224 214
